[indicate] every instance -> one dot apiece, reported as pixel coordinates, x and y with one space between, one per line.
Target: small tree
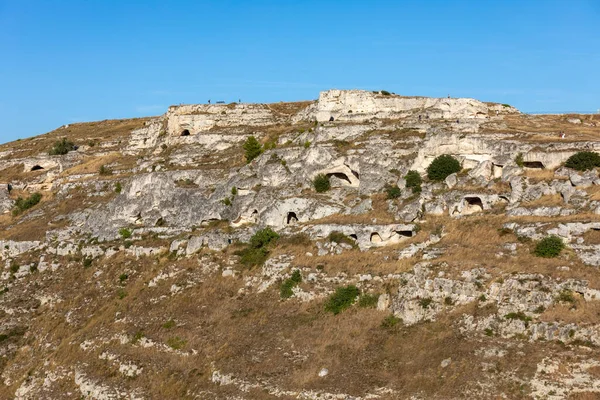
392 191
549 247
413 181
61 147
442 166
321 183
253 148
583 161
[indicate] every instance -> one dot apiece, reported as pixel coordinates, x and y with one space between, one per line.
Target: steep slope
131 278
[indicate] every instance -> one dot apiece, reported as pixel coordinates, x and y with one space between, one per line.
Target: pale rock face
360 105
6 203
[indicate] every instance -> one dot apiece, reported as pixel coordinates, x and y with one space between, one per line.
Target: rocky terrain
127 272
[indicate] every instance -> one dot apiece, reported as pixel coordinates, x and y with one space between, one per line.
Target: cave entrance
185 132
292 218
533 164
353 236
341 176
36 168
473 205
404 234
375 238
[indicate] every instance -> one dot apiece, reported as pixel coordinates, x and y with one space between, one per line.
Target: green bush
22 204
342 298
392 191
234 191
307 144
321 183
518 315
253 148
226 201
125 233
549 247
385 93
256 252
368 300
286 289
583 161
413 181
118 187
61 147
442 166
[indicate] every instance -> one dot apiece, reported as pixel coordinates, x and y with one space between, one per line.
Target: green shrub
425 302
104 170
413 181
226 201
176 343
61 147
122 294
549 247
256 252
234 191
442 166
583 161
342 298
87 262
385 93
253 148
22 204
307 144
519 160
321 183
118 187
123 278
368 300
286 289
565 296
390 321
339 237
518 315
125 233
392 191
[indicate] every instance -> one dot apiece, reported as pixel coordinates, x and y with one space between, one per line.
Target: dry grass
547 201
537 175
546 128
80 133
579 312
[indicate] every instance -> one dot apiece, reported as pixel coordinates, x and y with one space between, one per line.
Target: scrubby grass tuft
341 299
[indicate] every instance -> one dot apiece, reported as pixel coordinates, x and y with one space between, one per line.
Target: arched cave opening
292 218
36 168
185 132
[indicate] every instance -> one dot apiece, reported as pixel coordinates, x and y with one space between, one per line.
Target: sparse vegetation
321 183
390 321
118 187
368 300
253 148
339 237
385 93
61 147
125 233
256 252
341 299
549 247
176 343
22 204
307 144
583 161
392 191
519 160
442 166
104 170
286 289
234 191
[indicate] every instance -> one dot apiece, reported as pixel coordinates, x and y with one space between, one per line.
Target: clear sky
65 61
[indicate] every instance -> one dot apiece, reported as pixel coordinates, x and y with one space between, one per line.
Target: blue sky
65 61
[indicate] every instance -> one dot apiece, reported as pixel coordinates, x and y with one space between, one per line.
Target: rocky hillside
336 257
